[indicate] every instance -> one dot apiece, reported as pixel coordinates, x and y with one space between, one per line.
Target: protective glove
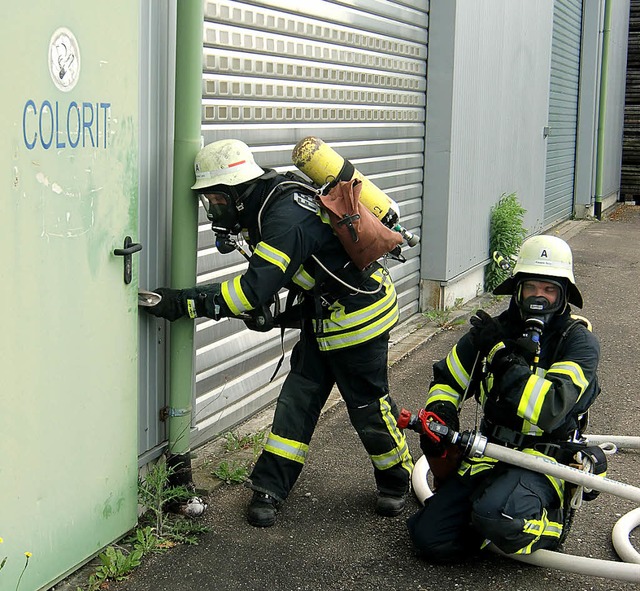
193 302
172 305
448 415
485 332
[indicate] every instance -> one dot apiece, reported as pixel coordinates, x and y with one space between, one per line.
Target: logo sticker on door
64 59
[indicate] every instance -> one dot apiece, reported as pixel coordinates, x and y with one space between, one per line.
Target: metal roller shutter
563 111
350 72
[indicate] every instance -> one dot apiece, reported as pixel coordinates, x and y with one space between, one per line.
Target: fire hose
474 444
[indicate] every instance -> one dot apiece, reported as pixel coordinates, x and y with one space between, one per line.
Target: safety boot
262 510
390 506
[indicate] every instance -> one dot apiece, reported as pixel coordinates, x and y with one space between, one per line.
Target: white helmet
539 257
225 162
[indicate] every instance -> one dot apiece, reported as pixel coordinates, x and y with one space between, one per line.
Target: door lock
129 248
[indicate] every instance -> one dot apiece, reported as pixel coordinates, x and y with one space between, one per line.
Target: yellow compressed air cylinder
322 164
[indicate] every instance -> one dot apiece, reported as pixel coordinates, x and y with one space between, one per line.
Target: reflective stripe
538 528
531 429
355 337
303 279
287 448
497 347
574 371
474 466
362 325
533 398
445 393
234 297
191 308
272 255
400 453
456 368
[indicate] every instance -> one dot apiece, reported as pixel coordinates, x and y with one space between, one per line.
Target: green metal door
68 350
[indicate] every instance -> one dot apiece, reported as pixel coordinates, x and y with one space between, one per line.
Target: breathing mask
536 309
220 205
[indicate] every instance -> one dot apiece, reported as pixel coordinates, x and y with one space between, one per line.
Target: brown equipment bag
362 234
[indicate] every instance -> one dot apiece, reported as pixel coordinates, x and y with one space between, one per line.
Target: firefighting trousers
361 375
516 509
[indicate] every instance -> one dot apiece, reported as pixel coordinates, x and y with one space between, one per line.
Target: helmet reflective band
226 162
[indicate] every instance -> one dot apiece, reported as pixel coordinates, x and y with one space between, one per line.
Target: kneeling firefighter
344 314
533 371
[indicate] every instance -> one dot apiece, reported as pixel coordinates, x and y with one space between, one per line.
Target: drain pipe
188 109
602 110
623 571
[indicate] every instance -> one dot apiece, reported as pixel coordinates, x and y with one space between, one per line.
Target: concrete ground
327 535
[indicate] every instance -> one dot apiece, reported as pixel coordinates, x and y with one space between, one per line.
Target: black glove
192 302
449 416
485 332
172 305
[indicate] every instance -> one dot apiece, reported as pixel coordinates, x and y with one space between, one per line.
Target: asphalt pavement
327 536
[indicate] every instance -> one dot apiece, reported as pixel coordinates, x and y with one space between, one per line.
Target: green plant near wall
157 530
506 234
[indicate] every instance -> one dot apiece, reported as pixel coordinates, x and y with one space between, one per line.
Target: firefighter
535 378
344 314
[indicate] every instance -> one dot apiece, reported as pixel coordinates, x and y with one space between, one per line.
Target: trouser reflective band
287 448
391 458
542 527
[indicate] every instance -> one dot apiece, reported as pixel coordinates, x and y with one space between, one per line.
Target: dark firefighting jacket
525 405
291 242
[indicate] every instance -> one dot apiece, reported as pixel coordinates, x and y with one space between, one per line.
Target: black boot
389 506
262 510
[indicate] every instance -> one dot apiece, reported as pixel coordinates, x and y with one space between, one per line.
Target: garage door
563 111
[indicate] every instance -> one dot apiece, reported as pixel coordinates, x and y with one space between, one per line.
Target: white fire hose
629 570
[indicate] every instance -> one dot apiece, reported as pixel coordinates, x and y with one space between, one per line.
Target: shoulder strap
575 321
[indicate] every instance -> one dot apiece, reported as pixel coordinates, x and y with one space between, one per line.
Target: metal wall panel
352 73
157 67
563 111
487 104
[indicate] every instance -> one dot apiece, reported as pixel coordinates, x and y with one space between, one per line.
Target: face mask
221 211
537 310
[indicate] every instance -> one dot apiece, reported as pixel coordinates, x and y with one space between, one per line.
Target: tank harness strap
345 174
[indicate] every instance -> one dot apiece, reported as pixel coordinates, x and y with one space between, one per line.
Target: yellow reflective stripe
538 528
574 371
191 308
532 398
339 320
303 279
476 465
530 429
400 453
355 337
272 255
234 297
444 393
497 347
287 448
457 370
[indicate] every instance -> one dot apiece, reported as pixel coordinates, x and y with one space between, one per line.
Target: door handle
129 248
